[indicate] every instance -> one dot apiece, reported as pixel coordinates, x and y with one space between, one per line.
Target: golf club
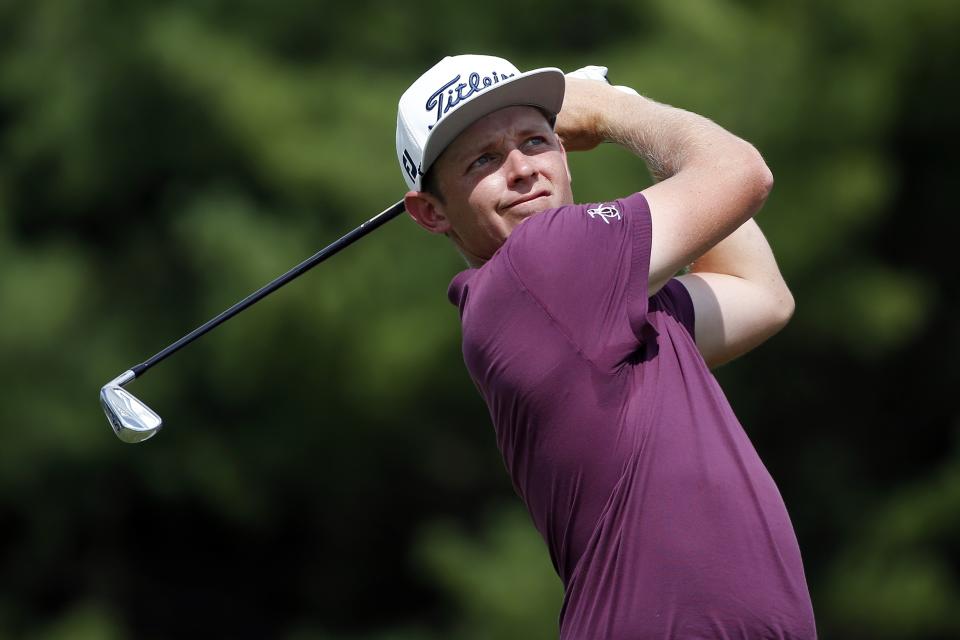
132 420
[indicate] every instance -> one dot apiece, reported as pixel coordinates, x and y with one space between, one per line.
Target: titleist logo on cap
455 95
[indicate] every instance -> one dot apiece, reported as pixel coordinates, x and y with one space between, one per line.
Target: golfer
594 356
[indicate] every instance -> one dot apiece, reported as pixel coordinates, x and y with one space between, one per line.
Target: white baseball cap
455 93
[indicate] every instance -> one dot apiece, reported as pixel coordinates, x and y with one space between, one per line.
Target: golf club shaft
378 220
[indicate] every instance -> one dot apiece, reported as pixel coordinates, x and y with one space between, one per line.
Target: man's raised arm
709 185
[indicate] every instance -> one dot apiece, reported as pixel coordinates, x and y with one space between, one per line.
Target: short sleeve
588 266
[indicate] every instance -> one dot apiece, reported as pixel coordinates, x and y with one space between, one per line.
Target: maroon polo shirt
660 518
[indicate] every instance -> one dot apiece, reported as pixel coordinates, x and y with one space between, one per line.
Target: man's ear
427 211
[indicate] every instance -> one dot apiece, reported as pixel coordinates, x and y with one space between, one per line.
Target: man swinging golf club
593 356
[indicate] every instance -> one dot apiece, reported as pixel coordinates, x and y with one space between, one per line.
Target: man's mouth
527 198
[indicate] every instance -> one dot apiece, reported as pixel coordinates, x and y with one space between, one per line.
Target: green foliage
503 584
891 580
159 162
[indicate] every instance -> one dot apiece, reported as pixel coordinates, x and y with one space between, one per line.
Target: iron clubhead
131 420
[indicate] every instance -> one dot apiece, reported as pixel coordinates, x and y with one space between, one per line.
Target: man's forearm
666 138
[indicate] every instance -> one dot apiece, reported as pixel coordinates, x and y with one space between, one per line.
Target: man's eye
536 141
482 160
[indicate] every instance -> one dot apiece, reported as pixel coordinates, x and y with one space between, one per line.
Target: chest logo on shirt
606 212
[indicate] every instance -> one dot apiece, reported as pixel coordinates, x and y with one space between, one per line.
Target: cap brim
541 88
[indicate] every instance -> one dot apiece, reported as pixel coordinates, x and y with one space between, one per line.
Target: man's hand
579 123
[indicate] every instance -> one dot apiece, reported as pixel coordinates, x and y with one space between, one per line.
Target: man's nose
519 167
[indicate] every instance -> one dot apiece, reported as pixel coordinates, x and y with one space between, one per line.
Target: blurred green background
328 470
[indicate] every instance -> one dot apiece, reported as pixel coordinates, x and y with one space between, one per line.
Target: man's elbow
765 179
757 178
781 309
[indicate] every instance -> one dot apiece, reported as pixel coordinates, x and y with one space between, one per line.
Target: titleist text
448 96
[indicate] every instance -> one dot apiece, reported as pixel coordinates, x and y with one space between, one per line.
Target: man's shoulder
576 219
552 247
563 238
